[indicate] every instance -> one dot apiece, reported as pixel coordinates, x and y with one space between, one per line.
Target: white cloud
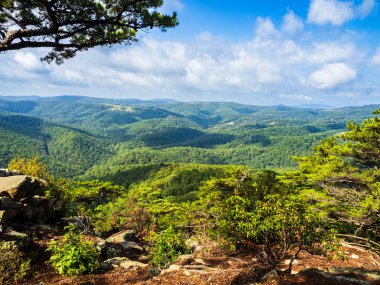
296 97
72 75
326 52
292 24
330 11
337 12
376 57
27 60
209 68
364 9
152 57
348 94
332 75
265 28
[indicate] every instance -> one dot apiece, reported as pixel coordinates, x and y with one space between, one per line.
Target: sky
260 52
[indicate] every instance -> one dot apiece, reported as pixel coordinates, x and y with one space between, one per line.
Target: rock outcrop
21 200
6 172
20 186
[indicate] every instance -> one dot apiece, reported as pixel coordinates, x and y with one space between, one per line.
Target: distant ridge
316 106
20 98
157 102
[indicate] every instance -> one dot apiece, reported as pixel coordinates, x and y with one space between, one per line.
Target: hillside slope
74 133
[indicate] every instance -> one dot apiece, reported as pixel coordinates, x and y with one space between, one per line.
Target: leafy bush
124 213
13 266
32 167
263 209
280 224
73 255
169 244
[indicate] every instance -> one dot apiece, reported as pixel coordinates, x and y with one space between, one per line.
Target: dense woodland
73 134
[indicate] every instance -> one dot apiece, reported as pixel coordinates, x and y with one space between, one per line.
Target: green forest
82 135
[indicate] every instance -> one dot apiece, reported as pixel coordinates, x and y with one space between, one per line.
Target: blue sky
262 52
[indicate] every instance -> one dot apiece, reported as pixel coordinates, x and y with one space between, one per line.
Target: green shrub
169 244
32 167
13 266
73 255
264 210
281 223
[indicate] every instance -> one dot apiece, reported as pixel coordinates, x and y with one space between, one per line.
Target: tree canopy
347 167
69 26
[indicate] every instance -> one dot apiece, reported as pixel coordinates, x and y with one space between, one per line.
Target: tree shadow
184 137
17 106
24 125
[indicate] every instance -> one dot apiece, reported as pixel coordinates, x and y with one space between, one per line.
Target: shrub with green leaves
169 244
262 209
13 266
280 224
73 255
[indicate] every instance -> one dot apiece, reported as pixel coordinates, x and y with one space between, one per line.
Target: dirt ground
242 267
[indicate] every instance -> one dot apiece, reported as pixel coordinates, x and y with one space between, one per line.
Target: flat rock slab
22 240
18 187
131 245
123 236
122 262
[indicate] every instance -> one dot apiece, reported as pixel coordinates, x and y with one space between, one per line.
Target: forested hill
73 133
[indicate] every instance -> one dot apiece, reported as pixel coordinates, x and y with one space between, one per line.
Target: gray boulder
6 172
21 239
123 236
131 246
18 187
11 207
3 220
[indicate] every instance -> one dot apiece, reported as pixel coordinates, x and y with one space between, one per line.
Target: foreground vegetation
334 193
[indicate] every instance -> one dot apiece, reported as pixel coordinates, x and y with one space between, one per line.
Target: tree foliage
71 26
347 168
32 167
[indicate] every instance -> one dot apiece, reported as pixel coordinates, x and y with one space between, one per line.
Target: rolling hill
74 134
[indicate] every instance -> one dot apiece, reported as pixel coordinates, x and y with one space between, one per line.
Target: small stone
143 258
185 259
124 236
131 245
129 263
22 240
173 267
186 273
287 262
270 275
122 262
3 217
199 261
354 256
153 272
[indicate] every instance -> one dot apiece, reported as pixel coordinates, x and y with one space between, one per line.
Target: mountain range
77 135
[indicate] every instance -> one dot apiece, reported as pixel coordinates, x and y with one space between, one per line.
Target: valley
73 134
